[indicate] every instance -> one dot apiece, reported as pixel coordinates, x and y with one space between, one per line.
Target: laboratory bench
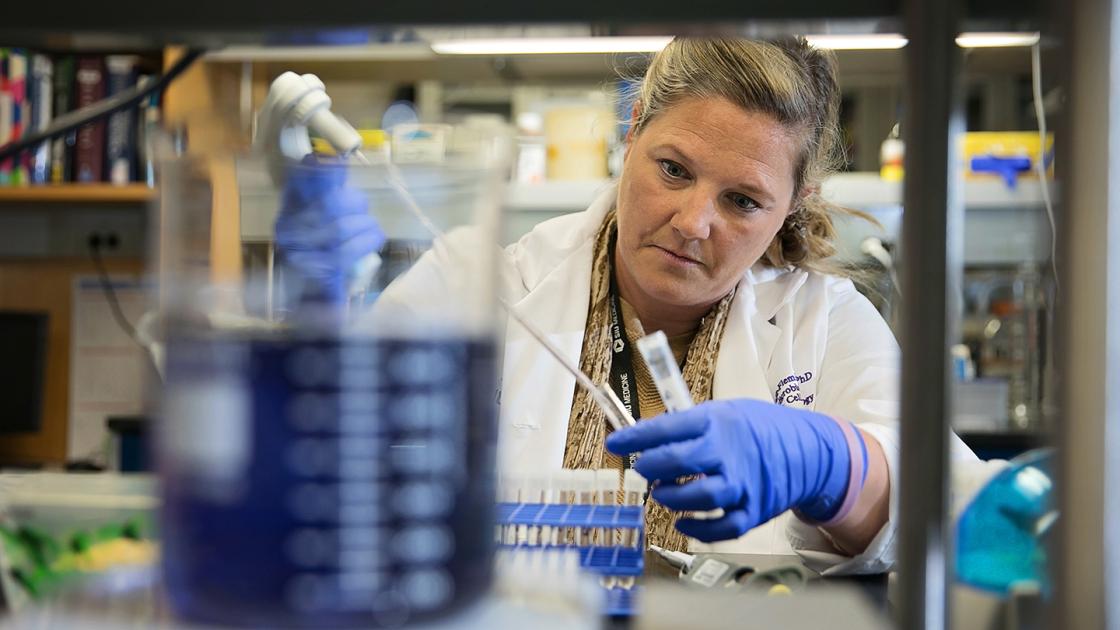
850 601
135 598
863 599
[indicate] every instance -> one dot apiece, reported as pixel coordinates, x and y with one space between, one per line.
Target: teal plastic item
1001 536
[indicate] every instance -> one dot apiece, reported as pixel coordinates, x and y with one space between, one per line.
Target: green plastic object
35 559
1001 536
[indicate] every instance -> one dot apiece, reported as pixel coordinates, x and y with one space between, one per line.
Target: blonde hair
787 79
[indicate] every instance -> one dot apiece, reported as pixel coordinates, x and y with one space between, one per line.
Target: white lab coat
815 328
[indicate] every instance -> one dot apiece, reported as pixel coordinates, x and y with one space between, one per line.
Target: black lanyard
624 381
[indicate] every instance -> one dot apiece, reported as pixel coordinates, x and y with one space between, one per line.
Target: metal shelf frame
1088 351
199 18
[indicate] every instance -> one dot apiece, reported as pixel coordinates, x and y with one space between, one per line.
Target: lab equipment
341 235
532 154
712 571
577 136
1002 533
325 237
35 565
891 154
1008 155
759 459
297 107
603 394
580 511
1004 326
678 559
331 471
665 371
414 142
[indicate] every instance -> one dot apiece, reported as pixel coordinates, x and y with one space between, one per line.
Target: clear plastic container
332 464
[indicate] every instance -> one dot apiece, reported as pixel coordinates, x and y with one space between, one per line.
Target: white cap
583 483
606 485
633 485
533 487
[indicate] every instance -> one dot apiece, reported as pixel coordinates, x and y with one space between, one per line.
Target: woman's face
705 187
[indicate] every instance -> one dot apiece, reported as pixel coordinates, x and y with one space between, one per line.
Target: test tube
583 482
665 371
606 491
508 492
633 493
533 491
564 495
553 495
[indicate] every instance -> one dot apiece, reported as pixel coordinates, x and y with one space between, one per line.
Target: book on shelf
120 135
89 88
38 88
39 100
13 111
6 113
62 148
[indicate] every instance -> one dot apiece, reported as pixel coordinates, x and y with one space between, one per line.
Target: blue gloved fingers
346 201
688 457
347 225
664 429
359 244
309 182
308 232
706 493
730 526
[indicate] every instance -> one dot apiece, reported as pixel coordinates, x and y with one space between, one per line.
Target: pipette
677 559
603 395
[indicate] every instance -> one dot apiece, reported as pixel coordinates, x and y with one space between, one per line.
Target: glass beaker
331 464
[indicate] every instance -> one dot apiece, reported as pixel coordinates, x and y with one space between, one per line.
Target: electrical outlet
71 232
104 241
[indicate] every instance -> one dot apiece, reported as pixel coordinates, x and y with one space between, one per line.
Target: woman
717 235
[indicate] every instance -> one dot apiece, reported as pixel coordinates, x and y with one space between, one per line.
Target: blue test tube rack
621 561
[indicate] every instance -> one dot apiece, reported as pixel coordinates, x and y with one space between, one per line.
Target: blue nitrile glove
323 231
1002 535
757 459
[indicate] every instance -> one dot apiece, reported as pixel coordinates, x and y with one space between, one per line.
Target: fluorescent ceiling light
884 41
600 45
996 40
873 41
550 45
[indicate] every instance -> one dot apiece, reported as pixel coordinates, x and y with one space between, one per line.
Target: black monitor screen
23 362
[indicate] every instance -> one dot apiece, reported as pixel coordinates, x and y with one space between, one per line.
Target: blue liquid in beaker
327 482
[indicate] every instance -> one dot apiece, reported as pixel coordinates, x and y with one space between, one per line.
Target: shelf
77 193
868 190
857 190
554 196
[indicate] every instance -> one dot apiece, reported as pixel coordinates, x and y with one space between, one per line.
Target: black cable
111 294
101 109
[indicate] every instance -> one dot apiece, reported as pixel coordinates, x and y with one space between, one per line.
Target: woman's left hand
756 460
325 235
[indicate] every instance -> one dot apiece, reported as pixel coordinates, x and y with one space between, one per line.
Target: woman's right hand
756 460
